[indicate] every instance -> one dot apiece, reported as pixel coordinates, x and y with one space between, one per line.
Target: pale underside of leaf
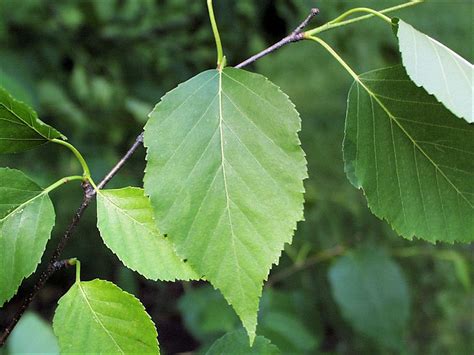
441 71
98 317
126 223
224 175
413 160
20 128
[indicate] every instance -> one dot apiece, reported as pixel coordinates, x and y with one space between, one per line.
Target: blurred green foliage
94 69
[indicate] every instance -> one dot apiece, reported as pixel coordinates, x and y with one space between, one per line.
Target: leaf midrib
26 123
9 214
97 318
221 129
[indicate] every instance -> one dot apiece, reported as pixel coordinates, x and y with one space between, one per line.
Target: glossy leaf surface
412 158
98 317
26 220
440 70
126 224
372 295
20 127
225 176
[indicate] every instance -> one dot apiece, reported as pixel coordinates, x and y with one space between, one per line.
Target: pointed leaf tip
225 176
20 127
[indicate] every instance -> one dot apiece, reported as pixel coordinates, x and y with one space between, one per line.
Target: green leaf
412 159
98 317
126 224
237 343
225 176
441 71
20 127
26 220
372 295
32 335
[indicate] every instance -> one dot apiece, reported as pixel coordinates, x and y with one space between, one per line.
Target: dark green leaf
20 127
413 159
372 295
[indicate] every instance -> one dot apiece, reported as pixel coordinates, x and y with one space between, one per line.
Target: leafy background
94 69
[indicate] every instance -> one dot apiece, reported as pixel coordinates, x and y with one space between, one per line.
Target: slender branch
336 23
294 36
54 264
314 11
297 35
121 162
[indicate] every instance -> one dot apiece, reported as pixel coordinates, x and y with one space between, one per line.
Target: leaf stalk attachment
74 261
215 30
335 55
62 181
361 9
338 21
77 154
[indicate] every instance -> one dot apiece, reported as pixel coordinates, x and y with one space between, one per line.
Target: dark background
94 69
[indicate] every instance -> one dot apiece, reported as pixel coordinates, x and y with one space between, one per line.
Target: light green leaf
414 161
20 127
441 71
126 224
236 343
225 176
26 220
98 317
372 295
32 335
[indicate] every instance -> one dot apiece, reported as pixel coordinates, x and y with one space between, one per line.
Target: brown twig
54 264
294 36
